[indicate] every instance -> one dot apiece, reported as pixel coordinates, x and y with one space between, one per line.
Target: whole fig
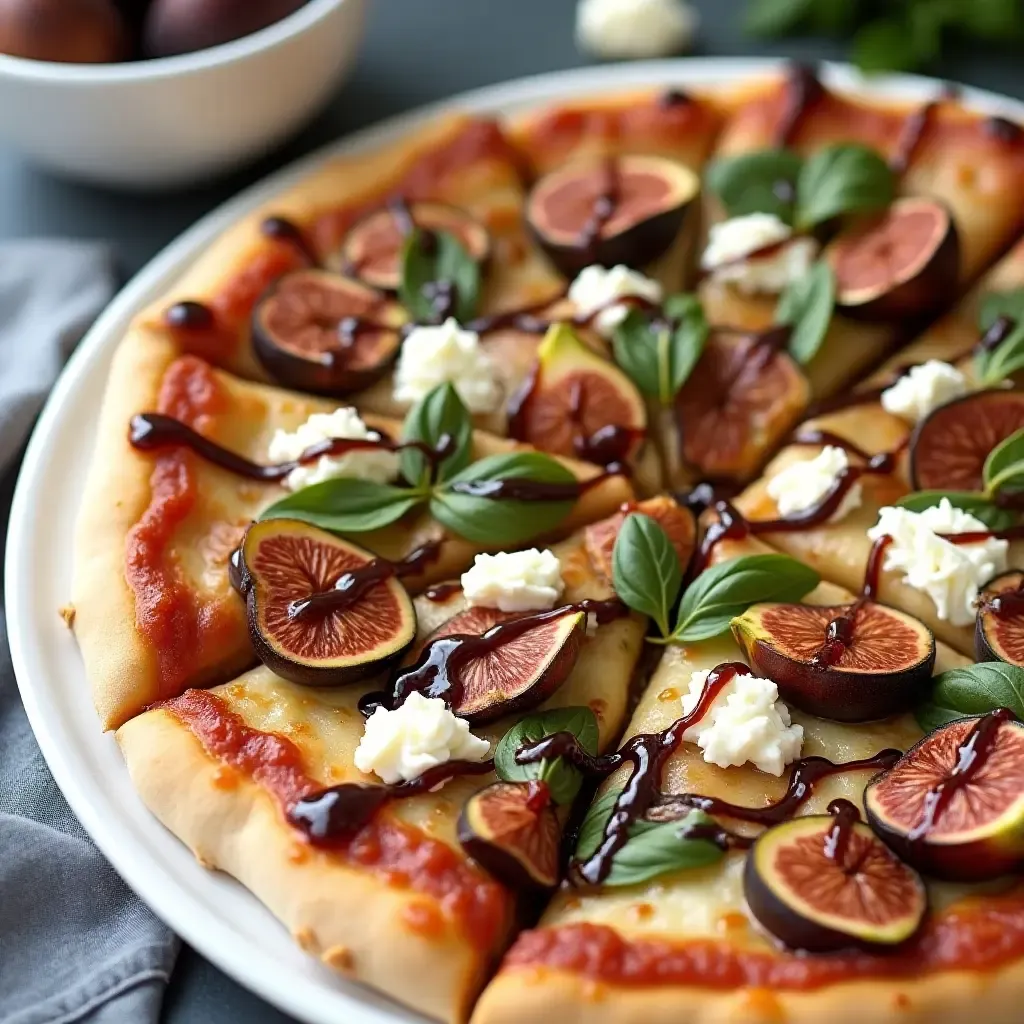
181 26
70 31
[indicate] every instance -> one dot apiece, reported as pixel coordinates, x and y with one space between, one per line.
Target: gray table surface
415 51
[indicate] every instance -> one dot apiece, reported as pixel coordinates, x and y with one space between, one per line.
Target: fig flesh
181 26
511 829
816 894
324 333
291 576
967 829
579 405
848 663
902 264
677 522
627 209
948 448
999 630
68 31
372 249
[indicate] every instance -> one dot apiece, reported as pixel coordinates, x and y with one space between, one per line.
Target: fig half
849 663
322 611
626 209
999 629
372 249
677 522
902 264
321 332
511 829
953 805
816 894
948 448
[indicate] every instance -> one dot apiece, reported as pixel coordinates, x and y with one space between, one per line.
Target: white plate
211 911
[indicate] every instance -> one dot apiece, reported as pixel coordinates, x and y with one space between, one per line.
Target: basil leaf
728 589
1004 467
438 415
972 690
637 346
807 305
977 505
591 832
776 17
992 367
761 182
646 573
346 505
564 781
461 504
842 178
433 262
887 45
996 304
686 345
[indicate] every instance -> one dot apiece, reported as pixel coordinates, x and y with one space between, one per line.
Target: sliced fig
626 209
677 522
322 611
322 332
953 805
740 401
819 883
948 448
372 249
511 829
902 264
999 631
849 663
578 404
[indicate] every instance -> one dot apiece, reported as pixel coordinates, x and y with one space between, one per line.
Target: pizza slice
188 456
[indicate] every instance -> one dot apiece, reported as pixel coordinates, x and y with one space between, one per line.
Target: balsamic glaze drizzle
280 229
801 91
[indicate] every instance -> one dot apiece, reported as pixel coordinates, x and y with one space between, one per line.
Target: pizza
572 565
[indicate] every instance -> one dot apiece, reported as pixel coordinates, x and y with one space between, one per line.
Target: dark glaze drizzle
1007 604
189 315
605 204
911 136
674 97
837 839
441 592
978 536
1003 130
524 489
801 91
280 229
1001 328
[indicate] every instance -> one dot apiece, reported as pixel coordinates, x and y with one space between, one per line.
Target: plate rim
135 857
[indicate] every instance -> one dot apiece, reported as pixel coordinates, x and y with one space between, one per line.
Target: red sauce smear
400 853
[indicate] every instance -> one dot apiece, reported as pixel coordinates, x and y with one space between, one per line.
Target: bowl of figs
149 94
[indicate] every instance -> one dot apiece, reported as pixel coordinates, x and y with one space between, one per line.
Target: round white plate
211 911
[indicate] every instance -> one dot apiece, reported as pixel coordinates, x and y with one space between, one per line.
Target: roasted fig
900 265
322 332
742 398
953 805
511 829
372 249
626 209
578 404
321 610
181 26
69 31
849 663
676 521
948 448
999 630
827 882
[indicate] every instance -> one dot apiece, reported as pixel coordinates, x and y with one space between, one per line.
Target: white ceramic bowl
159 123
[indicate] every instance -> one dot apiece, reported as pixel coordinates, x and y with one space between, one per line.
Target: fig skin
183 26
928 278
787 915
838 692
987 644
67 31
984 851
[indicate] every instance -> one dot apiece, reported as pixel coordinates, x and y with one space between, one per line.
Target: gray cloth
75 943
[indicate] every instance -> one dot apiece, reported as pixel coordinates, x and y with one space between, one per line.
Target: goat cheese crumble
733 245
623 29
514 581
921 390
596 289
801 486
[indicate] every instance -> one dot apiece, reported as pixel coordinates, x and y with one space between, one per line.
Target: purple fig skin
986 644
183 26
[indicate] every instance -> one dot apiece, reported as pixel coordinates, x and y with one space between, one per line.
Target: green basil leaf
842 178
588 840
563 779
728 589
500 521
972 690
685 346
438 259
996 304
346 505
888 45
760 182
976 504
777 17
646 573
807 306
993 366
440 414
636 346
1004 467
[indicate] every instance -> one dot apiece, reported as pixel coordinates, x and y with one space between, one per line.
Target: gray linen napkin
75 943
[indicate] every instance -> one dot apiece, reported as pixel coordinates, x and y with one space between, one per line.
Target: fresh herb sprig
806 307
439 278
995 365
972 690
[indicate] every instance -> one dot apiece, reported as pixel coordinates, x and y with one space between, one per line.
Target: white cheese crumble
623 29
514 581
950 574
746 722
377 464
596 288
921 390
801 486
733 244
419 734
447 354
